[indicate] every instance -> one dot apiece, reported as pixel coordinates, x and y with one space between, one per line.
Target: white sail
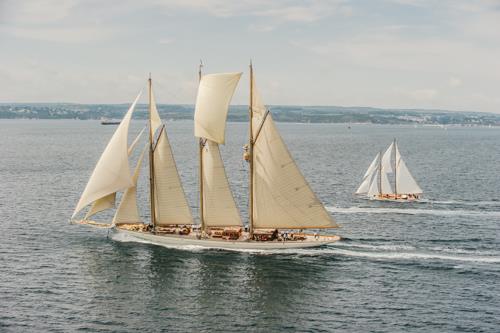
109 201
127 211
134 143
386 185
214 94
170 201
154 117
282 197
218 202
101 204
365 184
386 159
112 172
406 184
374 190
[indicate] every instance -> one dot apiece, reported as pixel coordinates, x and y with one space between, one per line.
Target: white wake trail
412 211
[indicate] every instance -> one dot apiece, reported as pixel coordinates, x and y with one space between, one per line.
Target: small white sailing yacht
376 184
281 202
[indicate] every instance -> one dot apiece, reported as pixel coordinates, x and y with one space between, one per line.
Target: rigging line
260 126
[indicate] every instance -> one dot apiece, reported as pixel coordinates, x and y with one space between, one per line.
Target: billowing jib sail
282 197
214 94
128 211
367 178
112 172
109 201
170 201
404 180
219 206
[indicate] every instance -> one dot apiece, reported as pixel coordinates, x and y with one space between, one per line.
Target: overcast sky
383 53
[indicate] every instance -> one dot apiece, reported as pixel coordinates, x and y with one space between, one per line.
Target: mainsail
282 197
128 211
219 205
171 206
212 103
404 179
112 172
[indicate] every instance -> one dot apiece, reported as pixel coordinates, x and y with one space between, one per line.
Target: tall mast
250 151
380 174
201 211
151 159
395 169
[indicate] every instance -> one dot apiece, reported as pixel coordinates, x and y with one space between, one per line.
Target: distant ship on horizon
376 185
106 121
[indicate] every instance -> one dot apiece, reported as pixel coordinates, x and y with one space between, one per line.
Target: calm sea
432 266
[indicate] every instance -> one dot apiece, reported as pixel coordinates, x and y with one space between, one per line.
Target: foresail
112 172
127 211
219 205
386 185
374 190
109 201
282 197
406 184
170 201
365 184
214 94
134 143
101 204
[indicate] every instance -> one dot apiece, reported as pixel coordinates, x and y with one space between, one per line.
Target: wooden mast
380 174
251 159
151 160
200 153
395 170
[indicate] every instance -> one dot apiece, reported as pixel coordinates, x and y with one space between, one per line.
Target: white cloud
166 41
424 94
454 82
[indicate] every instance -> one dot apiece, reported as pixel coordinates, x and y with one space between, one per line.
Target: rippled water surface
431 266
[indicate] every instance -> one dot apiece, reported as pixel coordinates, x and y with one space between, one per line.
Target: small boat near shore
376 184
281 203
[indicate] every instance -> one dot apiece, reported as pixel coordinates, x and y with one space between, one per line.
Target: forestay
112 172
219 205
282 197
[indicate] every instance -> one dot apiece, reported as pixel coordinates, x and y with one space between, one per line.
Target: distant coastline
295 114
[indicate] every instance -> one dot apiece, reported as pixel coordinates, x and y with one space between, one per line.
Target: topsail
217 204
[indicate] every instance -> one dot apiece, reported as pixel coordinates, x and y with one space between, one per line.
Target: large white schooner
281 203
376 184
